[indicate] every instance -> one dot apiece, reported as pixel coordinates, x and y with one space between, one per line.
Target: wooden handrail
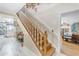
40 38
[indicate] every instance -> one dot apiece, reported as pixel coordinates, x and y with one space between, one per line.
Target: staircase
38 35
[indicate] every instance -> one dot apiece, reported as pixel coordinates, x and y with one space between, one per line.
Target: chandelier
32 5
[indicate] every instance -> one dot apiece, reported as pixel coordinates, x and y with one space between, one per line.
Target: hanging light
32 5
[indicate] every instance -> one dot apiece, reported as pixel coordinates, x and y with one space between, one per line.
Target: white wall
51 18
10 8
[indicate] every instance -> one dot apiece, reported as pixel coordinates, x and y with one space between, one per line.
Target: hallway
9 45
36 27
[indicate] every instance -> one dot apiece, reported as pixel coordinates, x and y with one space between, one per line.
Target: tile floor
11 47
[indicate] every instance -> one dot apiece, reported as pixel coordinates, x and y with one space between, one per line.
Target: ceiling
10 8
72 14
13 8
